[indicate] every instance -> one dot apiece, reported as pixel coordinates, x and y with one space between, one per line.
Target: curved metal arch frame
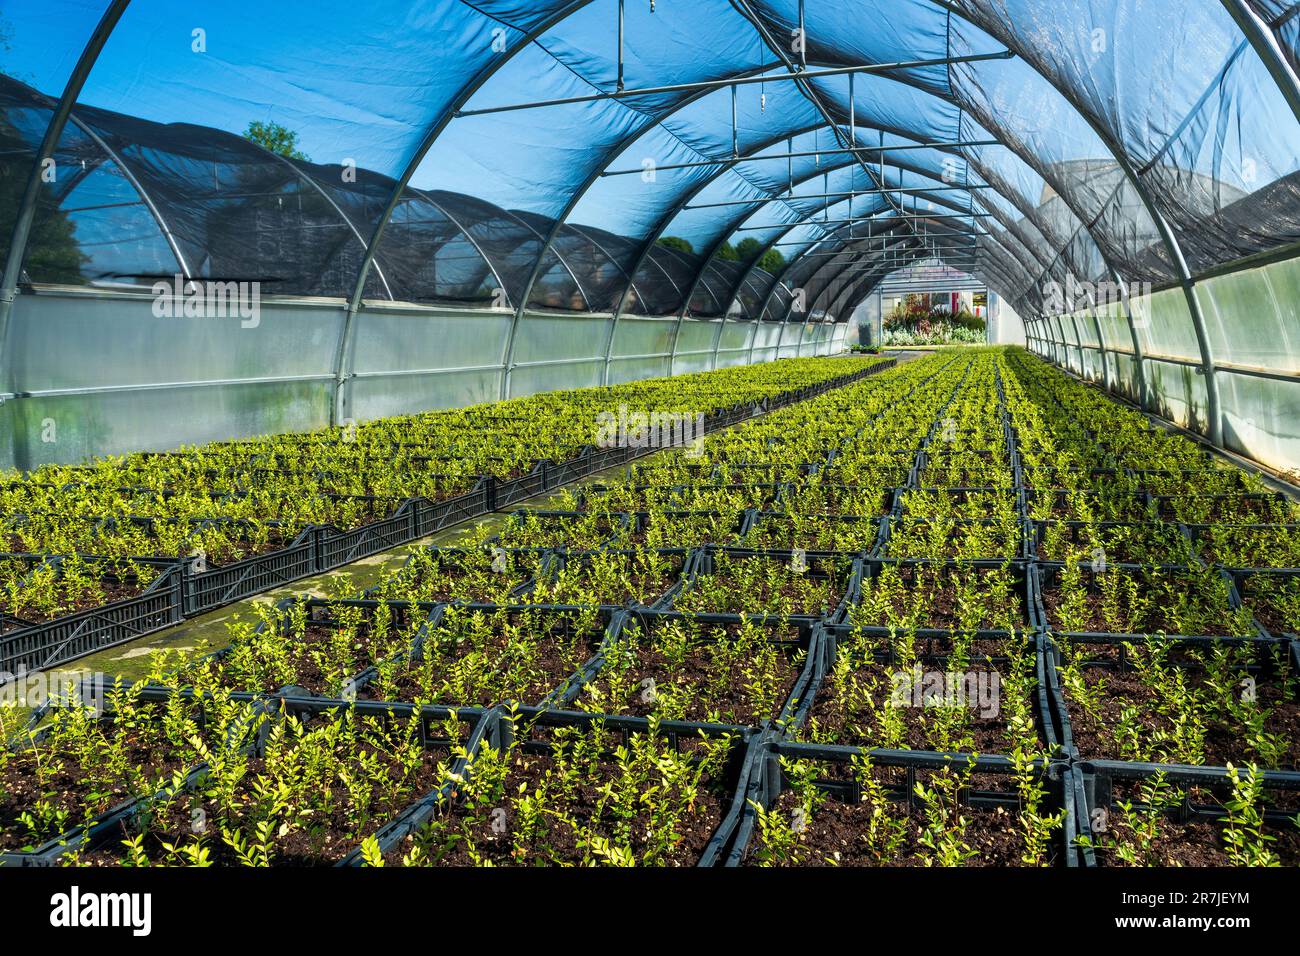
818 273
154 211
576 197
893 239
666 220
492 266
1168 237
771 244
783 228
994 239
1074 212
825 299
342 354
1285 81
871 278
673 212
27 205
838 301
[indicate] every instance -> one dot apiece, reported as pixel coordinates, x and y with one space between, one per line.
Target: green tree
677 243
276 138
53 253
728 253
770 261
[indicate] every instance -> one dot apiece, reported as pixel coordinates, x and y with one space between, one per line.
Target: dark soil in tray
988 476
985 730
1194 844
448 584
711 687
939 603
583 804
1235 509
68 789
723 594
1216 620
1100 507
455 671
1225 742
778 533
329 837
242 548
1277 621
111 591
833 501
634 587
835 832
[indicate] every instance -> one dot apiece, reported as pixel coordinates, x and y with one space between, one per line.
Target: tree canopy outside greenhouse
436 434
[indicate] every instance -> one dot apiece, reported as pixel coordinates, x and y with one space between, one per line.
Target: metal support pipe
26 212
343 350
858 151
1266 46
1167 236
705 85
912 190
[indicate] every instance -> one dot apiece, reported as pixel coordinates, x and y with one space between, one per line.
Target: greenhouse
661 433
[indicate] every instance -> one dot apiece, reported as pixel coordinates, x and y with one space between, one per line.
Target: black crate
911 570
527 728
1110 654
933 649
205 590
1045 574
1199 795
84 632
847 570
905 769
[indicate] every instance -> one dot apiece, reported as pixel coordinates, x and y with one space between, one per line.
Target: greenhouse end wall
99 373
1252 331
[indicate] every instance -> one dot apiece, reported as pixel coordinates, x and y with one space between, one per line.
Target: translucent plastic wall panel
1253 317
1178 394
767 336
119 423
1262 419
641 348
735 337
549 378
635 337
1113 319
409 359
1164 324
1123 375
87 342
788 340
696 342
552 338
79 361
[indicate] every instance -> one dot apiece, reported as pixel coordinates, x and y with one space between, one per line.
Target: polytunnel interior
491 199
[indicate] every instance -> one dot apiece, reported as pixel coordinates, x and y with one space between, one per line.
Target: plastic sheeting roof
1151 140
